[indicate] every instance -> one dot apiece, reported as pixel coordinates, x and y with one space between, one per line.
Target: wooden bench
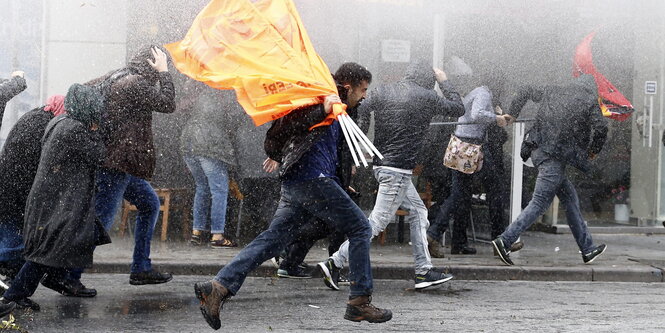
165 207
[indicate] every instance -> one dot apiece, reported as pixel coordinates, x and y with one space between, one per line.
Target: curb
461 272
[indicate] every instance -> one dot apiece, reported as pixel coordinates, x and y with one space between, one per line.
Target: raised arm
523 96
12 87
451 104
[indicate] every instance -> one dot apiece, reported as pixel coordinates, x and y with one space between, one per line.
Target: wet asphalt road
270 304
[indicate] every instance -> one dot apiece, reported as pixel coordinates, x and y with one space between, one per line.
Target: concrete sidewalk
545 257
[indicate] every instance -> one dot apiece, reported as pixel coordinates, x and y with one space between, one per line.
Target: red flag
613 104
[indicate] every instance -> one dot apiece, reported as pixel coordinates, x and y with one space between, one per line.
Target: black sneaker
73 288
463 250
501 251
149 277
343 280
6 308
591 256
24 303
431 278
330 274
297 273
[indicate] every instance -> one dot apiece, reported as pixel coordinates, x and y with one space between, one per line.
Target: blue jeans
551 181
11 242
212 191
112 187
324 199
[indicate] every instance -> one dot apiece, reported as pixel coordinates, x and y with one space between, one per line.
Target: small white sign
650 87
395 50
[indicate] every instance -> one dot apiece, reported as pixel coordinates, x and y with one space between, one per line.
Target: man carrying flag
309 189
290 85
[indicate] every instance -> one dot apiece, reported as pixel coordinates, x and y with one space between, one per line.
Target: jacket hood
84 103
587 83
139 65
421 73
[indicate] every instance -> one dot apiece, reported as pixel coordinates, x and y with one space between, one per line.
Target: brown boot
435 248
212 296
360 308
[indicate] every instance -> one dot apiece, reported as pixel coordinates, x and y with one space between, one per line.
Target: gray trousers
396 190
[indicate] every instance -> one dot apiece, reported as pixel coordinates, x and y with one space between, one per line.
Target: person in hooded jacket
61 229
569 130
18 165
474 127
10 88
131 95
403 111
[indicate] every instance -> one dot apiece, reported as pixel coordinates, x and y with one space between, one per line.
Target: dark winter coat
132 94
60 222
403 111
289 137
18 164
569 124
210 130
9 89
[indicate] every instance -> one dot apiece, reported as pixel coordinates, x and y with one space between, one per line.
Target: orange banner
261 50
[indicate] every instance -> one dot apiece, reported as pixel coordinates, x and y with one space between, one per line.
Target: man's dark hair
352 73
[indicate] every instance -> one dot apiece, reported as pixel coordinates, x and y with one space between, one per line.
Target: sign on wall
395 50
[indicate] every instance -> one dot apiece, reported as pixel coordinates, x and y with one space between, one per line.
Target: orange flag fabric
262 51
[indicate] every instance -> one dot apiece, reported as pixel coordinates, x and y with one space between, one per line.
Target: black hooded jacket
403 111
569 124
131 95
18 164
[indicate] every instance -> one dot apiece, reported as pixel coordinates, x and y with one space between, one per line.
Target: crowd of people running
66 167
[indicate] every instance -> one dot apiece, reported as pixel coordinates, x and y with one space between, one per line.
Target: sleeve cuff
446 85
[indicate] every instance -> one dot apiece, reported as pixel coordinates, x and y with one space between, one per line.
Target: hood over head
587 83
422 73
84 103
139 65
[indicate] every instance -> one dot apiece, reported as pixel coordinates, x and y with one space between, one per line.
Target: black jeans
308 235
27 280
458 203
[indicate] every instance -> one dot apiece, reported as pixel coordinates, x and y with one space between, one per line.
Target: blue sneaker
431 278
